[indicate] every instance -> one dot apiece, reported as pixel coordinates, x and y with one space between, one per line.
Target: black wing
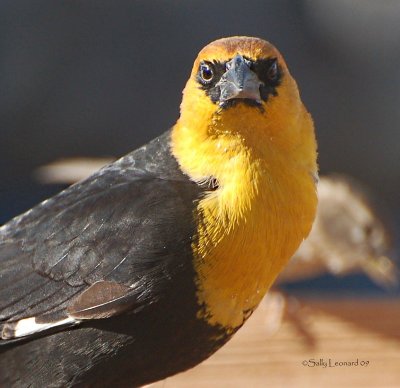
107 244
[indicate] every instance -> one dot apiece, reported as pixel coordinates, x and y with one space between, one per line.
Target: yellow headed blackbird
150 265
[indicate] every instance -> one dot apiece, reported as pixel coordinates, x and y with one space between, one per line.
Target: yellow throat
264 160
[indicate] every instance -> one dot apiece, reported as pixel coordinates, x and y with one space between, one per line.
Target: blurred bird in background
351 233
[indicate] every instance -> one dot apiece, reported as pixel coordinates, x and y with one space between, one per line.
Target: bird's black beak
239 81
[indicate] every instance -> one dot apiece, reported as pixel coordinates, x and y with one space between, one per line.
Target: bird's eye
206 72
273 70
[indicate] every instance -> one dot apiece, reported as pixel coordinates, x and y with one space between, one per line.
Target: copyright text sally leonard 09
331 363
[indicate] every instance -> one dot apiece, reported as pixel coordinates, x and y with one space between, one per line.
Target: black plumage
111 247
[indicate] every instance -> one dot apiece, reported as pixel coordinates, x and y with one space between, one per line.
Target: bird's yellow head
244 80
244 129
241 99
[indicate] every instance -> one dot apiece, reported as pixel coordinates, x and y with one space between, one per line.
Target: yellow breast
264 206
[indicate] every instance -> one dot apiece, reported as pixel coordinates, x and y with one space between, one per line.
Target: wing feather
103 246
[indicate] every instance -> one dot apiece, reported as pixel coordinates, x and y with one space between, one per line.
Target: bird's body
125 211
150 265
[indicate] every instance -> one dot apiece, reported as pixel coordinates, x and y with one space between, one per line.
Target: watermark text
331 363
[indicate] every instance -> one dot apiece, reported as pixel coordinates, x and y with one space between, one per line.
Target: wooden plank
336 330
